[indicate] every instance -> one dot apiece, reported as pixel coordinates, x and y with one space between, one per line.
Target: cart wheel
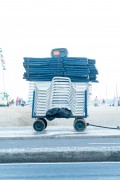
80 125
44 121
39 125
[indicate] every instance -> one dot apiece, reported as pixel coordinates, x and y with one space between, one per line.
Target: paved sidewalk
59 154
56 132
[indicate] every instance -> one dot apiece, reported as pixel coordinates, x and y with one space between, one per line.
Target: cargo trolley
60 94
62 87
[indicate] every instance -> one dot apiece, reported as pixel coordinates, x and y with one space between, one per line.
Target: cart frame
85 108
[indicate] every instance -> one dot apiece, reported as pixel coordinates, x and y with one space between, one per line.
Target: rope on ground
118 127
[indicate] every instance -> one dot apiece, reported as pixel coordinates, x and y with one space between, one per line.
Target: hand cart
62 87
63 94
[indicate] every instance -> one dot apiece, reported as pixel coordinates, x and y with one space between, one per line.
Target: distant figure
119 101
103 101
115 101
96 101
17 101
23 103
20 101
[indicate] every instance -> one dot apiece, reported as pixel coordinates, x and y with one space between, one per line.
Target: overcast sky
87 28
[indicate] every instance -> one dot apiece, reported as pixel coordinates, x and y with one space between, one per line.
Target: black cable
103 126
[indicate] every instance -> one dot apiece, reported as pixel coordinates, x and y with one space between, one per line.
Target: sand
21 116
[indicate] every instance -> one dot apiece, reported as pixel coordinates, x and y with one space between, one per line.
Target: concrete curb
58 137
67 154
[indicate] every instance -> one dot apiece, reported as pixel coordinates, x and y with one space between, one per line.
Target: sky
87 28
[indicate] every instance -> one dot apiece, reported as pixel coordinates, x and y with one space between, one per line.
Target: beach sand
21 116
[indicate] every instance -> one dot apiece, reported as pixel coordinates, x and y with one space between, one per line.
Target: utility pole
106 91
3 67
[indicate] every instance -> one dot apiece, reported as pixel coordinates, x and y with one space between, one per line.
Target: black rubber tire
45 121
80 125
39 125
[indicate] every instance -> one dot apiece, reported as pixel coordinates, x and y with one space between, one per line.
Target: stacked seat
45 69
60 83
60 93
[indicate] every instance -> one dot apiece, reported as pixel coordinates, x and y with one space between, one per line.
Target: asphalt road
64 171
49 143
